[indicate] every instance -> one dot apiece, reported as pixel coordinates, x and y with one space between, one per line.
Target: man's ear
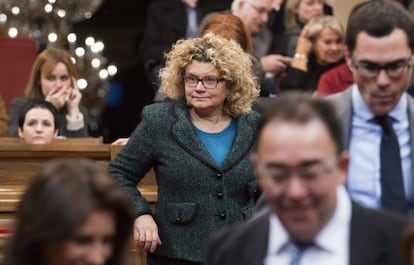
348 58
240 6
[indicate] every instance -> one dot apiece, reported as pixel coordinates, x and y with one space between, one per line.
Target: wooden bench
76 141
20 161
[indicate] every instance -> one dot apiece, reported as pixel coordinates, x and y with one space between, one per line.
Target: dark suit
195 197
373 240
343 106
167 22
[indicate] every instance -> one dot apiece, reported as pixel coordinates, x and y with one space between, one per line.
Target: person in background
255 15
320 47
276 24
407 245
198 145
411 9
376 112
335 80
3 119
38 122
72 213
297 14
53 78
168 21
311 219
231 27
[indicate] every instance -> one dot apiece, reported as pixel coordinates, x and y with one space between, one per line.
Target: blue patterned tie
392 185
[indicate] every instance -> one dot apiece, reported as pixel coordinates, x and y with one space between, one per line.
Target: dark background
119 24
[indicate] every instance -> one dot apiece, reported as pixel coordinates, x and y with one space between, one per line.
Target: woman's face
38 126
203 99
308 9
55 80
328 47
91 244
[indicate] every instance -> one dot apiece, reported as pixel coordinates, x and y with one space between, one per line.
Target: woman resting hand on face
53 79
38 122
320 47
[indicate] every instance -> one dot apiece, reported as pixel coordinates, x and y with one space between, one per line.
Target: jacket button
220 195
223 215
219 175
178 219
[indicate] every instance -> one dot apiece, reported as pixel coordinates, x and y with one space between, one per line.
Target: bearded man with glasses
376 111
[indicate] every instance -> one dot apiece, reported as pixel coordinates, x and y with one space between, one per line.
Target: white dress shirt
331 244
363 180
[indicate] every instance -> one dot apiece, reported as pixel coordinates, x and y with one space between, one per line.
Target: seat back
16 59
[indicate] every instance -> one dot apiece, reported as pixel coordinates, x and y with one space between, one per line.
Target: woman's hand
58 97
120 141
73 99
146 233
303 49
275 63
304 45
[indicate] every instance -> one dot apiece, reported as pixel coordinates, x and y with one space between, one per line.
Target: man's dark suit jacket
343 106
373 240
166 23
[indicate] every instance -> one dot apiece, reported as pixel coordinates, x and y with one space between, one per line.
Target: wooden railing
20 161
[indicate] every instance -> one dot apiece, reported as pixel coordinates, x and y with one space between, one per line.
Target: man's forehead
390 47
261 3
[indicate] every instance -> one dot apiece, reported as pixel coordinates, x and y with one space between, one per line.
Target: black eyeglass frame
192 81
393 69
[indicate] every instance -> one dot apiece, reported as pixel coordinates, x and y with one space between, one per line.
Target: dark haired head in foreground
72 213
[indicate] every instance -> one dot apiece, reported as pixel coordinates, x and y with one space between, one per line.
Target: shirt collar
336 230
361 110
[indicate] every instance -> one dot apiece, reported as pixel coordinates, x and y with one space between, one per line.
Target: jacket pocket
181 213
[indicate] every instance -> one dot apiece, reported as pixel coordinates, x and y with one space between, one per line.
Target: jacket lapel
343 106
242 143
366 243
410 104
182 131
259 236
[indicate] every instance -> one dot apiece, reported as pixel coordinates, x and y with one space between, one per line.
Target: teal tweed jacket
195 197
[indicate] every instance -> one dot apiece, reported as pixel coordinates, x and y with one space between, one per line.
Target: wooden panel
20 161
71 141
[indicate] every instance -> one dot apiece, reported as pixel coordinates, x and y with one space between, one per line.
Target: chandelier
49 23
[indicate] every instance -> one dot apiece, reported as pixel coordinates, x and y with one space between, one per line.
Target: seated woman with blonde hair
320 47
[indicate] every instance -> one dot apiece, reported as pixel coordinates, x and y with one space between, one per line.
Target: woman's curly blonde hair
232 63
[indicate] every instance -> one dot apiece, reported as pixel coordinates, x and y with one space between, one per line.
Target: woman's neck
211 122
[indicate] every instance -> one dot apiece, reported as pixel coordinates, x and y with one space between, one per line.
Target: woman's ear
56 133
20 131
